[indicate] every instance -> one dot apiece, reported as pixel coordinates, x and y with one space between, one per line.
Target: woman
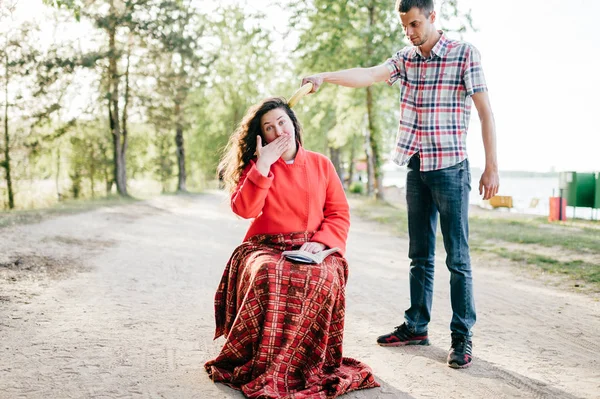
284 321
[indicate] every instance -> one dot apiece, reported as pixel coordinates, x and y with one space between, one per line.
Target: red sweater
304 196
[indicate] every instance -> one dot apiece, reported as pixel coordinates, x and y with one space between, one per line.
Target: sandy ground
117 303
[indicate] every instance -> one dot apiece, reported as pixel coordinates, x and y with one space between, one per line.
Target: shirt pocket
449 85
448 97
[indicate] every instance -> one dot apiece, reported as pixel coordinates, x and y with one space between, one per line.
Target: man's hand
489 184
270 153
316 80
312 247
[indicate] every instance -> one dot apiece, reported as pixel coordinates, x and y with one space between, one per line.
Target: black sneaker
402 336
461 352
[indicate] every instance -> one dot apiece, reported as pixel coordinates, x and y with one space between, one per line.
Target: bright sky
542 65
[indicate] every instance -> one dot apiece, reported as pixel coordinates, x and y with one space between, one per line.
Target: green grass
577 269
537 231
11 218
68 207
384 213
489 234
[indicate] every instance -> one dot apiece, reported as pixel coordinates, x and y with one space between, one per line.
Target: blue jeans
444 192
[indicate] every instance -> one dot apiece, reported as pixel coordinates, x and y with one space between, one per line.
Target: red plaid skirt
284 324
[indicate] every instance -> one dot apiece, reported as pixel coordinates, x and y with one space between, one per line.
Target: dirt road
117 303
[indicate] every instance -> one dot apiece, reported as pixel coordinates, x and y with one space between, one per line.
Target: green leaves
73 5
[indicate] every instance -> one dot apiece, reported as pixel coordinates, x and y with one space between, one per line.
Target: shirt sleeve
473 77
249 197
396 67
336 222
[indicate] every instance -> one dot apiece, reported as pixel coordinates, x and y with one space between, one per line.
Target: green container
597 200
578 188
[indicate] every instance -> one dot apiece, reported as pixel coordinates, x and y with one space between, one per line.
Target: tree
119 21
179 64
87 159
163 160
233 84
36 82
17 70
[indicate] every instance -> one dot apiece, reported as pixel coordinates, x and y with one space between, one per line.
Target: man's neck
427 46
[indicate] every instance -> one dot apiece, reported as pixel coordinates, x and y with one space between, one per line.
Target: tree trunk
353 146
105 162
370 168
335 155
179 142
113 85
124 124
92 168
6 164
57 180
375 172
374 136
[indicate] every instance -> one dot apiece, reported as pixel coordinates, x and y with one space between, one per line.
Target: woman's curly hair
241 147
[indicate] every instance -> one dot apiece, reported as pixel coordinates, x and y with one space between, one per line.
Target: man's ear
432 17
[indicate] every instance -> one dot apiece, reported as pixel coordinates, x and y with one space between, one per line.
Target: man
440 80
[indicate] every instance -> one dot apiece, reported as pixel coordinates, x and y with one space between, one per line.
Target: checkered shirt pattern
435 101
284 323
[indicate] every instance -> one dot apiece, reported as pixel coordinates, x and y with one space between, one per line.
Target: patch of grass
577 269
576 239
384 213
538 232
11 218
527 231
70 206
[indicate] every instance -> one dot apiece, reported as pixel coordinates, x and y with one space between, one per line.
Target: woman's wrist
263 167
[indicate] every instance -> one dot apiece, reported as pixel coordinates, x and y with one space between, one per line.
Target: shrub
357 188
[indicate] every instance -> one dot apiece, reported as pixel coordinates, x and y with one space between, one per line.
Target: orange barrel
558 209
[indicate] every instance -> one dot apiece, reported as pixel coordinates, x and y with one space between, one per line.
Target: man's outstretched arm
355 77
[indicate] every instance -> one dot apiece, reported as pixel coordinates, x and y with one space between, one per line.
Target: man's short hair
426 6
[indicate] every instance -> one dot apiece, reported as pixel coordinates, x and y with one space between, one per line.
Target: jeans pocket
467 169
462 165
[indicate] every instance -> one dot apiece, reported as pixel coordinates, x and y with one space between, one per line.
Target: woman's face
276 123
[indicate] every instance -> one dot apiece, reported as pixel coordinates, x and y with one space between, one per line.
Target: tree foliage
152 91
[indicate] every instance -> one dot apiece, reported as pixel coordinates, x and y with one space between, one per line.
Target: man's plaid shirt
435 101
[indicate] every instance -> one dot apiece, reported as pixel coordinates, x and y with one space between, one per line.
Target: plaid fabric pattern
435 101
284 324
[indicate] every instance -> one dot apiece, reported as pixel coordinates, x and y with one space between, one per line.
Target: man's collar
439 49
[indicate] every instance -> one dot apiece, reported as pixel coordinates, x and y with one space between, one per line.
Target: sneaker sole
458 366
424 342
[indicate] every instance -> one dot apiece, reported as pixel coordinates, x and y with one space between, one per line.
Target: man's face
417 26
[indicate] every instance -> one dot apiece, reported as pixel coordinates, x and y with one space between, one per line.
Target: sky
542 64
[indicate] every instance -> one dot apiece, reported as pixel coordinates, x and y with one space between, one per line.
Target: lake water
524 191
